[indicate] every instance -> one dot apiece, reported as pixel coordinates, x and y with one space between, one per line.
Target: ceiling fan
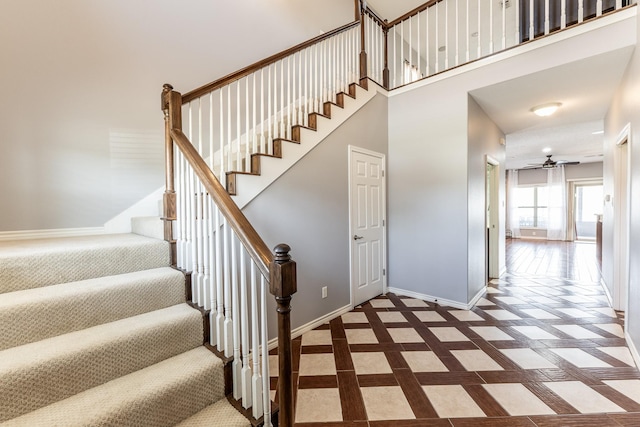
549 164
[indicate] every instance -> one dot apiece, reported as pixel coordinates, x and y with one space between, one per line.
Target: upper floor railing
443 34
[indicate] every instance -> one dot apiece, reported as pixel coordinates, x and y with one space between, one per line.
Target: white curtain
513 216
556 204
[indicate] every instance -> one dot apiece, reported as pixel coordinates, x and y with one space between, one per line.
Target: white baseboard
295 333
632 348
429 298
48 234
606 292
476 297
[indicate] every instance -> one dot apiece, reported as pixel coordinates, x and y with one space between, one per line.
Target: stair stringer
249 186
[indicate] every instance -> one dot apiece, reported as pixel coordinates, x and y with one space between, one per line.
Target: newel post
385 71
169 197
283 284
363 48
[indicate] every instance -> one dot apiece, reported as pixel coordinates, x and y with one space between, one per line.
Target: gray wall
80 113
428 191
308 208
624 109
484 139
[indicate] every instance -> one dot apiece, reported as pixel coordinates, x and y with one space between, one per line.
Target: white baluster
580 11
619 4
563 14
457 55
228 283
468 34
235 317
517 3
238 130
199 218
221 274
300 115
402 58
410 52
428 54
307 80
287 124
255 115
244 323
229 128
446 35
491 45
437 46
598 7
256 379
262 116
419 51
532 30
395 58
269 136
546 17
247 147
281 132
479 30
265 354
504 24
222 175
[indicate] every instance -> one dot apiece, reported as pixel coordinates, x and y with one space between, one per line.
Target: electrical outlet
533 233
324 292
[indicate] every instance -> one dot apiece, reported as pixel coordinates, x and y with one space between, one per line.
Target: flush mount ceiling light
546 150
546 109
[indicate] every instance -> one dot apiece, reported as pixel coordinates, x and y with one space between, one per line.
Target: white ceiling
391 10
585 89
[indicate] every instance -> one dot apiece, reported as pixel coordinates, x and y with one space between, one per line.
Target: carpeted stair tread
28 264
149 226
43 372
73 306
220 414
160 395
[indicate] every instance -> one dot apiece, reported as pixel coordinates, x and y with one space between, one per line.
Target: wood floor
541 348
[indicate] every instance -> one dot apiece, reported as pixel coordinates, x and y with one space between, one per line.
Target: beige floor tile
527 358
476 360
413 302
357 317
612 328
491 290
580 358
483 302
371 363
621 353
502 314
630 388
448 334
535 333
510 300
538 313
318 405
386 403
574 312
361 336
391 316
381 303
317 364
577 299
321 337
465 315
577 331
543 300
607 311
424 361
452 401
491 333
582 397
516 399
429 316
404 335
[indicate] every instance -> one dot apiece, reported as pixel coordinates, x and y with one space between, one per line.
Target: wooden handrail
374 15
210 87
413 12
255 246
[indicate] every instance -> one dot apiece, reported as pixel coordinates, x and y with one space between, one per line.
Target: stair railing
240 115
442 34
230 267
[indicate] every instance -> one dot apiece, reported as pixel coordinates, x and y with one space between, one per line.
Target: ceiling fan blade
565 162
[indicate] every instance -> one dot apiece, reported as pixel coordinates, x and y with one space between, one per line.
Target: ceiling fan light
545 110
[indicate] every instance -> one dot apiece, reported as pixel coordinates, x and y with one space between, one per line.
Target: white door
367 208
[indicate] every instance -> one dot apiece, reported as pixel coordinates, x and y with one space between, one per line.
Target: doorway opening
587 204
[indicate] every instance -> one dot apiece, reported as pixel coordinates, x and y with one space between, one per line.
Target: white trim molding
632 348
437 300
48 234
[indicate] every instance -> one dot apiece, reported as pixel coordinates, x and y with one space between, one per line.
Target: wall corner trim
632 348
606 291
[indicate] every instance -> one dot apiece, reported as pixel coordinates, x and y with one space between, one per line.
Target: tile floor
533 352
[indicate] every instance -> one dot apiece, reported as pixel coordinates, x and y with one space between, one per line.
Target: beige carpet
94 331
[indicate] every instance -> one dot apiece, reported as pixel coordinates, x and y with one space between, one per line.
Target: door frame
493 262
621 223
353 149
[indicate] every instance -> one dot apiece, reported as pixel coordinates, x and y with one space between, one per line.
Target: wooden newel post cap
283 282
164 100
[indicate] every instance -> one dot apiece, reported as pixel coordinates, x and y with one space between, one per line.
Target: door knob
356 237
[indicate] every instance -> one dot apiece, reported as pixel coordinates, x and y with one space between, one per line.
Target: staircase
95 331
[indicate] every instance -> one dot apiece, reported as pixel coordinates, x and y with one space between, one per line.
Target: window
532 206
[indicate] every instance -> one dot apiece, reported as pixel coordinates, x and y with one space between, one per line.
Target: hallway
535 351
